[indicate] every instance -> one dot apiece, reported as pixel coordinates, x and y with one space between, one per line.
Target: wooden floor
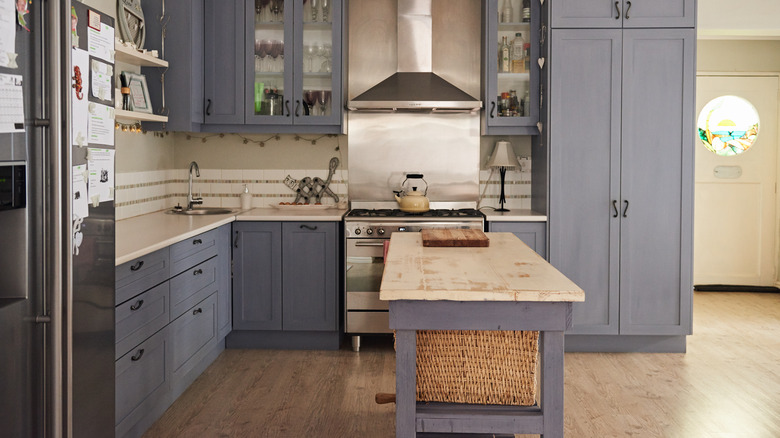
726 385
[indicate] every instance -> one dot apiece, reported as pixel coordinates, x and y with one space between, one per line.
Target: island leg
552 383
405 383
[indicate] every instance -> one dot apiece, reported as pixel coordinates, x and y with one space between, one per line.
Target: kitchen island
505 286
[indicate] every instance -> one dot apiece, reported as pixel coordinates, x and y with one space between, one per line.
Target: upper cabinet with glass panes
511 70
292 82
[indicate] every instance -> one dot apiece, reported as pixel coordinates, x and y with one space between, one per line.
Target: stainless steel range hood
414 85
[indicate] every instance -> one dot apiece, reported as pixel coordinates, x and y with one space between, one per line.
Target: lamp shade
503 156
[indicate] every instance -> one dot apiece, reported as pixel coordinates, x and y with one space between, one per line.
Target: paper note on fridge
8 34
80 193
100 163
101 74
11 103
101 43
101 124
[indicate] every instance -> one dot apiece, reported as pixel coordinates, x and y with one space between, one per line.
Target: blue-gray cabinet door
533 234
657 181
223 61
224 301
622 13
309 255
257 276
585 171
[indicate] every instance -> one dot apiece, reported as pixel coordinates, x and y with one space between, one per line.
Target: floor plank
726 385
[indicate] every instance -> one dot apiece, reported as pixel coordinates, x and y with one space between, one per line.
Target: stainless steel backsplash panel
384 147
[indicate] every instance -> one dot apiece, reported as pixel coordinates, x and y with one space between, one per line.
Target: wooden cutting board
455 238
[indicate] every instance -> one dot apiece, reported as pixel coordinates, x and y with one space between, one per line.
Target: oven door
365 312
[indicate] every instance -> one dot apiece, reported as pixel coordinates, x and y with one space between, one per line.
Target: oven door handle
359 243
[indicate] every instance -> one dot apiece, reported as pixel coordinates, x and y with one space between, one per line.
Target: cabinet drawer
193 285
141 381
194 250
141 317
192 336
140 274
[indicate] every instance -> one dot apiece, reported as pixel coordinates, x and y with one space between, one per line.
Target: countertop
141 235
507 270
518 215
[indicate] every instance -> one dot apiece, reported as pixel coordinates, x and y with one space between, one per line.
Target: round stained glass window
728 125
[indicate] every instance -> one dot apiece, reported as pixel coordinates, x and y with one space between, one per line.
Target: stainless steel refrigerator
56 309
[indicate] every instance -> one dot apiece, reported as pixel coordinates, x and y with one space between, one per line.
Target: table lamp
503 158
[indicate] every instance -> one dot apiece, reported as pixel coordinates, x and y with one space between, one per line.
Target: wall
758 16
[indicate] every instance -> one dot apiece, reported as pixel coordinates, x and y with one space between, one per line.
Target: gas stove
395 213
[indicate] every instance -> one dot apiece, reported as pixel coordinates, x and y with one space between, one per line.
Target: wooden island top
507 270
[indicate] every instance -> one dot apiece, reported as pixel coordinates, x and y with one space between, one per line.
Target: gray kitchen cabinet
620 217
533 234
251 87
622 13
172 315
257 276
285 285
309 276
525 82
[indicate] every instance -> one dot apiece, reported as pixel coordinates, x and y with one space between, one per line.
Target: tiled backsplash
140 193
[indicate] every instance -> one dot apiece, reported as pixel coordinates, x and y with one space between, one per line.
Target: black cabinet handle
136 357
628 9
196 311
287 105
625 209
617 10
297 108
235 242
137 265
308 227
197 242
492 108
614 205
208 107
137 305
197 272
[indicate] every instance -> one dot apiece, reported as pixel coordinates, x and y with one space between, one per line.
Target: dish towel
384 254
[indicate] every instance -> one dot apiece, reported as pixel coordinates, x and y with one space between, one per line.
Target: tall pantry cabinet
621 169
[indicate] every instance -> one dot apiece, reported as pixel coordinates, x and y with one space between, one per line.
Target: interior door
734 228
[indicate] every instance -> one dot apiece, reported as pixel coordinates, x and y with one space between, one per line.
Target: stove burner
463 212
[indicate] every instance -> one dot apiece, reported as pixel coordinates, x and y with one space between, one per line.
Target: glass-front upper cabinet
294 69
512 67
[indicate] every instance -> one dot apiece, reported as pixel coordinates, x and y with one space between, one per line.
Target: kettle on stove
413 201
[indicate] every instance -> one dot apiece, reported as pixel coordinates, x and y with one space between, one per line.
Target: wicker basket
477 367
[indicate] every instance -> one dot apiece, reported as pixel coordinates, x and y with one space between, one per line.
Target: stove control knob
370 231
357 231
381 231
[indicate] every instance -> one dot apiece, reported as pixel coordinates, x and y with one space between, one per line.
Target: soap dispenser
246 199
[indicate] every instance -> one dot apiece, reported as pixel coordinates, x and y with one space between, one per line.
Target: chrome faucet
191 200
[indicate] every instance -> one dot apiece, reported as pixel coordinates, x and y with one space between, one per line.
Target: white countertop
141 235
507 270
292 213
514 215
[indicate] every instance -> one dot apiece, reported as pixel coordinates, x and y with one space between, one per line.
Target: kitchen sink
202 211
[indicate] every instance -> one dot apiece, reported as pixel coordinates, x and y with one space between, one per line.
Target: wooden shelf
132 56
142 117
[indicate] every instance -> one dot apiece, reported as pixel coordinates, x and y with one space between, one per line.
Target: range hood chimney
414 86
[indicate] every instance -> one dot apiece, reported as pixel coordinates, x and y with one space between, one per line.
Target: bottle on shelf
527 59
506 12
527 105
518 54
526 11
504 56
513 106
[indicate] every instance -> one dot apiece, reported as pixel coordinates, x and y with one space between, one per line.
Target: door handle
197 242
297 108
136 357
628 9
617 10
208 106
370 243
235 242
625 209
196 311
197 272
137 265
287 105
309 227
492 108
614 205
137 305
